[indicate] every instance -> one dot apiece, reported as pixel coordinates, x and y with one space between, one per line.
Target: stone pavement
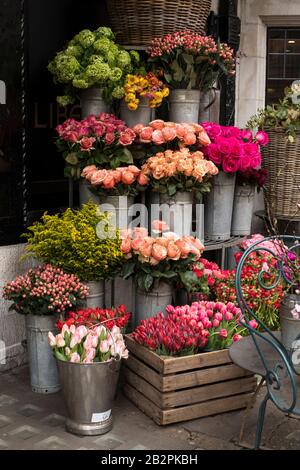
34 421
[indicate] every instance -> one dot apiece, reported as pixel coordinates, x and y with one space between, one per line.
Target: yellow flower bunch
148 86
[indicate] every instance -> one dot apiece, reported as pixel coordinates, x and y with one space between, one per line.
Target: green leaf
148 281
60 356
72 158
128 155
172 189
189 59
188 278
128 269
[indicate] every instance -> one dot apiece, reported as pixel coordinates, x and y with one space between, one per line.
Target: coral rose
199 171
86 143
159 252
146 135
169 134
158 138
157 124
184 248
140 232
138 128
180 131
142 179
98 177
173 251
126 138
128 177
134 169
146 249
159 172
126 245
153 261
185 166
203 138
109 182
88 171
110 138
162 241
171 169
137 243
117 174
189 138
159 226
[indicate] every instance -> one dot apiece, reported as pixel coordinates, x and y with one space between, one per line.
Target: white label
99 417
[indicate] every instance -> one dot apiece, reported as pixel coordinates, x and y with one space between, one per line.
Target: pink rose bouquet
45 290
100 140
171 135
191 329
87 345
181 170
167 257
123 181
191 61
232 149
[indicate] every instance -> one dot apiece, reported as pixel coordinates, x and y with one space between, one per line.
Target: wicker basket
281 159
137 22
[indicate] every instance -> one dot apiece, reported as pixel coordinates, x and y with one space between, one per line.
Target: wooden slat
206 392
150 375
145 405
210 408
149 357
201 377
144 387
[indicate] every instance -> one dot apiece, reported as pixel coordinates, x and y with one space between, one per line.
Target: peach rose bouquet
166 257
123 181
173 171
171 135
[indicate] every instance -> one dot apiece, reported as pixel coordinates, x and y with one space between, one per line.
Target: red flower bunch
45 290
101 140
189 329
110 317
233 149
209 270
251 176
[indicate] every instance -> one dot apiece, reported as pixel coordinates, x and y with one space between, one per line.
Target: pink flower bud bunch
191 329
45 290
87 345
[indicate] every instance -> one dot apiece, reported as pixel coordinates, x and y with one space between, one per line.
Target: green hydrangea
118 92
86 38
123 59
102 46
66 67
135 56
65 100
80 83
98 72
75 51
115 74
103 31
111 59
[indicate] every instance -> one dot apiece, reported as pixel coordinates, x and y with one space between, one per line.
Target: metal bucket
42 364
119 207
96 294
218 207
85 194
89 391
91 102
142 115
289 326
210 106
243 205
150 303
179 212
184 106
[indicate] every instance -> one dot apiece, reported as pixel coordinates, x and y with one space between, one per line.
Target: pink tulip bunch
159 133
232 149
192 328
122 181
100 140
45 290
88 345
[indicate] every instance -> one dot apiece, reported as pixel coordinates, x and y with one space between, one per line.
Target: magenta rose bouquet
232 149
96 140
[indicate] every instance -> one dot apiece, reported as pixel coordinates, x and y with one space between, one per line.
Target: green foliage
70 241
283 115
92 59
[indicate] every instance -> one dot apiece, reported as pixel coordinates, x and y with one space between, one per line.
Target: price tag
99 417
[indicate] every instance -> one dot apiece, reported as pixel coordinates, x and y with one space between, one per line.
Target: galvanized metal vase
119 207
96 294
218 207
43 369
179 215
142 115
243 205
184 106
289 326
92 102
85 194
210 106
89 391
150 303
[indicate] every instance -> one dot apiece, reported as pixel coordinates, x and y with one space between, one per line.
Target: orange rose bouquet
173 171
167 257
123 181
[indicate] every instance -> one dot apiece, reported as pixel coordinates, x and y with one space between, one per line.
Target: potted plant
93 66
142 94
156 264
96 140
280 158
178 176
83 242
43 294
232 150
116 189
191 371
191 64
88 360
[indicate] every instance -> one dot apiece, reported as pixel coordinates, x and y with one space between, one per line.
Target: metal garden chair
262 352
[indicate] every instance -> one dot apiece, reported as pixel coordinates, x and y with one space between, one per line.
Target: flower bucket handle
214 90
116 358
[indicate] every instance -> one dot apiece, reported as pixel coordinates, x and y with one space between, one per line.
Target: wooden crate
170 390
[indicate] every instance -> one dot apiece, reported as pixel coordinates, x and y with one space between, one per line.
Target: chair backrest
275 357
